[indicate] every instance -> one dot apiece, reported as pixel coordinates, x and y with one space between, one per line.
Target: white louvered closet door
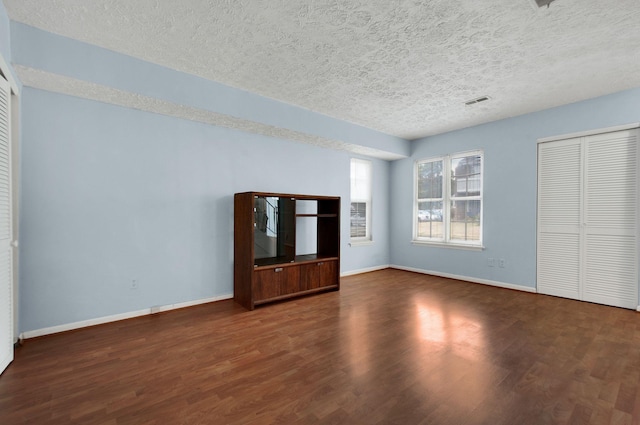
559 218
587 218
6 234
610 242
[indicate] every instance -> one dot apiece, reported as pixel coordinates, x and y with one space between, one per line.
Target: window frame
447 199
367 238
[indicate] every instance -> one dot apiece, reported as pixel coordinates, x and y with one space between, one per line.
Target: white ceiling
402 67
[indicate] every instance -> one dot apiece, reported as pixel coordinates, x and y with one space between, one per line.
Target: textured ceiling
402 67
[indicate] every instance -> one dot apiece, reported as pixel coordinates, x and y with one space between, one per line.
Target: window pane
430 223
465 220
361 185
358 219
430 180
360 179
466 179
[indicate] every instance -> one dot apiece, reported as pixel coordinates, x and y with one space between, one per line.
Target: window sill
448 245
361 243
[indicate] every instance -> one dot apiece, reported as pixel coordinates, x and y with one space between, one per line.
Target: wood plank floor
392 347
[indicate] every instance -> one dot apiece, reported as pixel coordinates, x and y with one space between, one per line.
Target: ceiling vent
541 3
477 100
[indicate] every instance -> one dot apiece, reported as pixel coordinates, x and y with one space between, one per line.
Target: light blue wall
60 55
5 40
509 187
111 194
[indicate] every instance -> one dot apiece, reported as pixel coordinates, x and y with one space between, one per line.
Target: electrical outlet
501 263
491 262
134 284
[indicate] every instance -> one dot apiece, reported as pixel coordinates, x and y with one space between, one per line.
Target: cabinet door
318 275
276 282
309 276
328 274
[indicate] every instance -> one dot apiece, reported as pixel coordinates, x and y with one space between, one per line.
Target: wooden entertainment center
284 246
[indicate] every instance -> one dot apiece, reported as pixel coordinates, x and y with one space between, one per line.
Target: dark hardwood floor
392 347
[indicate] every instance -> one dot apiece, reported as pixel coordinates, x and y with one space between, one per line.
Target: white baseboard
367 270
638 309
468 279
117 317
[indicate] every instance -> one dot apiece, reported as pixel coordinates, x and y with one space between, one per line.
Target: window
448 207
360 200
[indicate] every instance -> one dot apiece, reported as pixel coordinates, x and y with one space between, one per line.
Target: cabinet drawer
276 282
318 275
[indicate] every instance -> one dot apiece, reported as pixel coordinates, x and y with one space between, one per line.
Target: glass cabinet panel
274 228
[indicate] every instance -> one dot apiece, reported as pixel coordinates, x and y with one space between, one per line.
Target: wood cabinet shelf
272 260
282 262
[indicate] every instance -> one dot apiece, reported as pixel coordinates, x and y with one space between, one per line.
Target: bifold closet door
587 243
6 234
610 204
559 218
